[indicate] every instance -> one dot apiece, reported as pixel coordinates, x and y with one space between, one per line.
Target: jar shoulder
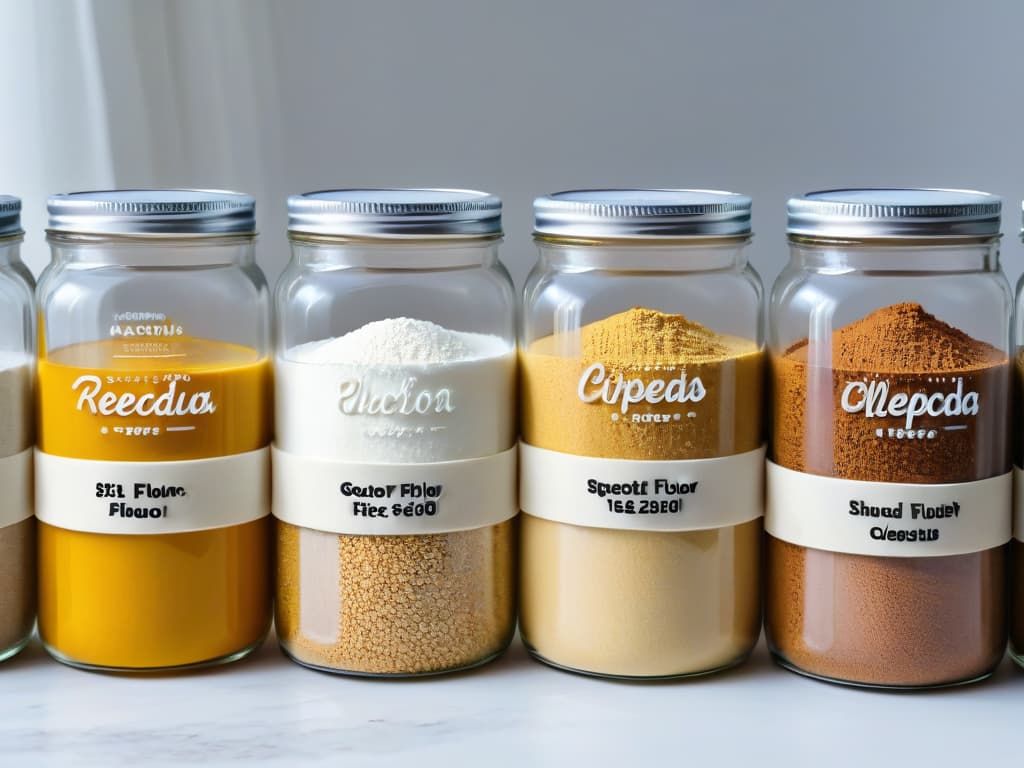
314 303
807 304
727 301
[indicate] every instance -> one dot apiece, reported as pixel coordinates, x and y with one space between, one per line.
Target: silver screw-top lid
894 213
10 216
642 213
142 212
394 213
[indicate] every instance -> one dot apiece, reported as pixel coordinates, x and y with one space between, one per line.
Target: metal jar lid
395 213
894 213
10 216
148 212
642 213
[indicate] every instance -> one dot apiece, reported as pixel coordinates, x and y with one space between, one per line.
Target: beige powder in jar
402 604
397 604
17 540
641 603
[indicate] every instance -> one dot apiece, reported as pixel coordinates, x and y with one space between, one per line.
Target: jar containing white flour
394 466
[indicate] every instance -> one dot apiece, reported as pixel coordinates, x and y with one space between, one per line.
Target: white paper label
15 488
152 497
394 499
1018 503
887 519
683 495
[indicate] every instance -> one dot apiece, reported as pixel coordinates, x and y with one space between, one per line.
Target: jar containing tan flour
889 481
17 360
395 460
642 430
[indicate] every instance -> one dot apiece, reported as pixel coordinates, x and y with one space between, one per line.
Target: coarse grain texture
397 604
888 621
408 604
638 603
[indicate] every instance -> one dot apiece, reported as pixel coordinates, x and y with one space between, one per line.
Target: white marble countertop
266 711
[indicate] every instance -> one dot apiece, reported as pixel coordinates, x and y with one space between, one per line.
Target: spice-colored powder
641 603
893 621
1016 545
183 597
644 344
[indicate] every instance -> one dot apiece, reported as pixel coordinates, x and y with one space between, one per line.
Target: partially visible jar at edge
888 504
395 458
17 362
642 423
152 475
1017 544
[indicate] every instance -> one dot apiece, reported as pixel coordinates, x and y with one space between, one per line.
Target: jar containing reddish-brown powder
1017 545
889 483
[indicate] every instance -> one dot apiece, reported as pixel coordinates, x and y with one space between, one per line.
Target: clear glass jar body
641 603
857 328
425 330
1017 543
17 526
155 381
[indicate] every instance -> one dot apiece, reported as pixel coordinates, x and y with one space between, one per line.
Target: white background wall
518 98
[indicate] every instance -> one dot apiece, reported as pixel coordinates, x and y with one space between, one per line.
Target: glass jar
642 434
152 470
889 483
17 364
1017 543
394 457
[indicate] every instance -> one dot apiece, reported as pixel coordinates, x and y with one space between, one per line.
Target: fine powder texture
890 621
399 341
17 574
402 604
1017 546
181 598
638 603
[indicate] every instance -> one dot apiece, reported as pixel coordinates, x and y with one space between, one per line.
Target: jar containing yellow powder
152 468
394 457
17 358
642 453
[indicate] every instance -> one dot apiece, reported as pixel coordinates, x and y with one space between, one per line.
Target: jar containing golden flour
889 481
17 362
642 430
152 469
395 459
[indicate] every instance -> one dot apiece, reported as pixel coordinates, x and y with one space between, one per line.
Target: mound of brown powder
878 620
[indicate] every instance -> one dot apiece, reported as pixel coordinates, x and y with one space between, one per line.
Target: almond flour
637 603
